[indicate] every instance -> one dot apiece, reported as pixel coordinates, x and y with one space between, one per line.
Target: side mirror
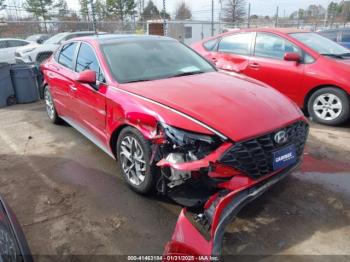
87 77
292 56
40 41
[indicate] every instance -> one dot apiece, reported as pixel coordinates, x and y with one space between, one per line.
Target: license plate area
284 157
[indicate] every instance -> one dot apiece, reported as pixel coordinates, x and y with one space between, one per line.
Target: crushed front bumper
193 236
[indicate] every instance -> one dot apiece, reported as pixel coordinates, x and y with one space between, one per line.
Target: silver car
44 51
8 48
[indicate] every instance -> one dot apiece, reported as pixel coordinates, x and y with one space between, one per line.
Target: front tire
50 107
133 153
330 106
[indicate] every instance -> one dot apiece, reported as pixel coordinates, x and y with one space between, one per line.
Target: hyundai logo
281 137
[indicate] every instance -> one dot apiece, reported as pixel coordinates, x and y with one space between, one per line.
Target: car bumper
190 238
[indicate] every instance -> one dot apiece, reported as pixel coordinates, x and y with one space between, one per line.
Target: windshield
145 60
56 39
320 44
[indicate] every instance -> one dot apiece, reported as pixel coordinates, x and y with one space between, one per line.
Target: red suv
177 126
310 69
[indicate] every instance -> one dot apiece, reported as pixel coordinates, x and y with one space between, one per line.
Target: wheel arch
114 138
313 90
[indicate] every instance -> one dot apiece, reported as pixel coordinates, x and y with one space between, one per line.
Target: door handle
254 65
73 88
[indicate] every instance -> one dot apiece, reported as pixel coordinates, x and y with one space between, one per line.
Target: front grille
254 157
43 56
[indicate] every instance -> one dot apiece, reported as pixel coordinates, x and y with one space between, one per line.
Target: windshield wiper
186 74
334 55
137 80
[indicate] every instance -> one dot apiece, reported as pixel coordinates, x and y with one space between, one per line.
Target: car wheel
50 107
133 153
329 106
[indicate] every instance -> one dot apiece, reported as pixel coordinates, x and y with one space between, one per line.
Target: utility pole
276 21
164 19
212 17
248 23
93 16
326 17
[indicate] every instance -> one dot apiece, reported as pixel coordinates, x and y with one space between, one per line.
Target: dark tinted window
346 36
87 60
66 55
15 43
330 35
273 46
211 45
188 31
3 44
236 44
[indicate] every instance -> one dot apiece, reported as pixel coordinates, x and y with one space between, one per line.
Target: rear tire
50 107
134 154
330 106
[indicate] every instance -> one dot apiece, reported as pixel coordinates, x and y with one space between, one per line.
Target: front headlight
28 50
194 146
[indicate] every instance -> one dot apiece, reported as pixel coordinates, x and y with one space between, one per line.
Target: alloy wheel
133 160
327 106
50 109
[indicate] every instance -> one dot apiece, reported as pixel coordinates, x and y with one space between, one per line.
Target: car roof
112 38
280 30
4 39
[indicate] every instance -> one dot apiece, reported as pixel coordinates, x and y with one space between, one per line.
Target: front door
89 100
267 64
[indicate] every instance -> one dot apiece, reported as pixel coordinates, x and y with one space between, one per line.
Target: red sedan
310 69
176 126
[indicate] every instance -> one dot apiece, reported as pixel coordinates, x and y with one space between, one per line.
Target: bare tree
183 12
234 10
345 11
2 4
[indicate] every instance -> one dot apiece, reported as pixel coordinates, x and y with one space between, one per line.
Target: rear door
89 100
233 52
267 64
8 48
61 78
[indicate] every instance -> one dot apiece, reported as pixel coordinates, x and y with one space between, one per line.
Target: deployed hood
236 108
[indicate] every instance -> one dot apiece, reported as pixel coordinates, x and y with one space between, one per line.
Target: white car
8 48
41 52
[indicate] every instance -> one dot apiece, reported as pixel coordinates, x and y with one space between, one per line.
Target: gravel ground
70 198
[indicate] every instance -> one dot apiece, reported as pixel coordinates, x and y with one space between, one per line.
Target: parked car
8 48
176 125
42 52
13 244
341 36
310 69
38 38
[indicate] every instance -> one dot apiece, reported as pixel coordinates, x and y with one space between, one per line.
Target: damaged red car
210 141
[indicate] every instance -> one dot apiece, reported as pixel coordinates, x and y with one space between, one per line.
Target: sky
201 9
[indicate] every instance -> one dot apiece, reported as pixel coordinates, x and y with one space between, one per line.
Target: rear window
236 44
211 45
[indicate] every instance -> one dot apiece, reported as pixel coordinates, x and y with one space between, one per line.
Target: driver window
273 46
87 60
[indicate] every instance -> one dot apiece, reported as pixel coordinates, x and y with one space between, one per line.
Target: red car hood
236 108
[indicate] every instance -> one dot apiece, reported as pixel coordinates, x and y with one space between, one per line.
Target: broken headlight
192 145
